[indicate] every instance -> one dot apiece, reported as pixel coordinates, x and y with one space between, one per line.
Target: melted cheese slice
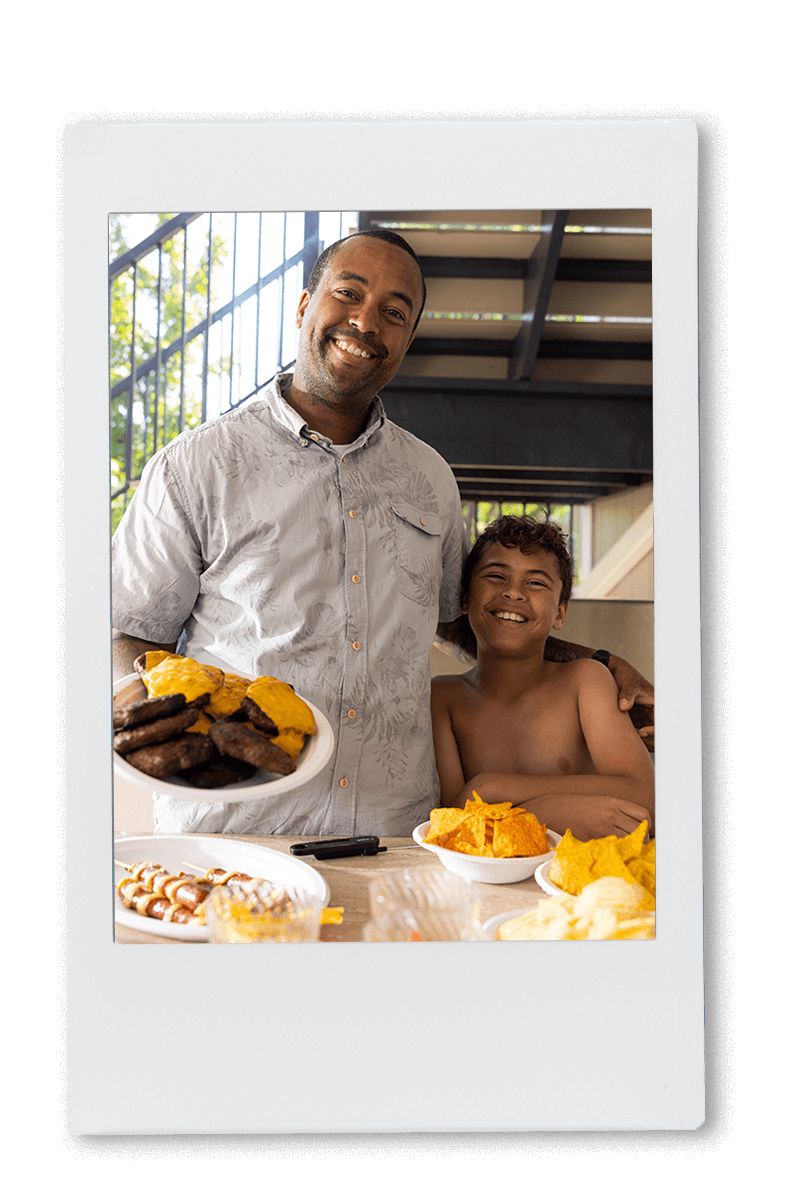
293 718
176 674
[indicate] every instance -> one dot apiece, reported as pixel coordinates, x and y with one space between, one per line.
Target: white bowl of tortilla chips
494 829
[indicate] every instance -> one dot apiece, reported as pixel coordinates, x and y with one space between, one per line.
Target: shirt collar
295 424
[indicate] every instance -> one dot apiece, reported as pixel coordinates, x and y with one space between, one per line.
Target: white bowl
480 869
490 929
547 885
261 786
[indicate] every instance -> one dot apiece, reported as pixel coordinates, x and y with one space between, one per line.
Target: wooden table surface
349 879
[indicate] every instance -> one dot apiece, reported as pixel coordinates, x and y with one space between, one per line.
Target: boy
547 736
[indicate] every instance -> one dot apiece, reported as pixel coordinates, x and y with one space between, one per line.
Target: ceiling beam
519 424
549 348
578 270
536 293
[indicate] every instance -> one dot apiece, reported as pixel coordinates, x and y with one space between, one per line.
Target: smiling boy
545 735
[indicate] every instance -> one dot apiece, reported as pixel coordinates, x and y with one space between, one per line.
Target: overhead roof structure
531 369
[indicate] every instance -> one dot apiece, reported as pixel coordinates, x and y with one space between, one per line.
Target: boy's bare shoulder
585 673
449 687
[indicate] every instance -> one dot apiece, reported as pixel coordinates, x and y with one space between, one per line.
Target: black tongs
338 847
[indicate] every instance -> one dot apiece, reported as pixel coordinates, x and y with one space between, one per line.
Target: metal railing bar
204 399
183 343
175 346
160 235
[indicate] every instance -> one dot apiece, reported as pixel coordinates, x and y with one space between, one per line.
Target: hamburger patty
140 712
158 731
166 758
239 741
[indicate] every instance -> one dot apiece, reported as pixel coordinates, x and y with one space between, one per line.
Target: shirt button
344 458
357 645
314 438
352 513
343 783
351 713
303 441
356 579
421 520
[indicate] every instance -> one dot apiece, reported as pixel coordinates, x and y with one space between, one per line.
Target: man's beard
352 398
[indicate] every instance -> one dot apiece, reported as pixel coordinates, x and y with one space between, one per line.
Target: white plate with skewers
263 785
195 856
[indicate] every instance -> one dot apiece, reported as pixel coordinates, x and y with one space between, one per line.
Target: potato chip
606 910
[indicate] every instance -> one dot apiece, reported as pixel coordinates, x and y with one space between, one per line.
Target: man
306 536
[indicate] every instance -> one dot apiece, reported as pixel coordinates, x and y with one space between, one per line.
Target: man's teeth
353 349
509 616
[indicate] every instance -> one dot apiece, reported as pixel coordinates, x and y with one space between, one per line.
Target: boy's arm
445 747
636 694
616 799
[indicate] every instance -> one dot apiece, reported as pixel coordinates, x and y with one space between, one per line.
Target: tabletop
349 879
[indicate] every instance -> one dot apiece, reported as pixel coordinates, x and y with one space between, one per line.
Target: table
349 880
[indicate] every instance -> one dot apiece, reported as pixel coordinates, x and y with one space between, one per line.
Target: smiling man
306 536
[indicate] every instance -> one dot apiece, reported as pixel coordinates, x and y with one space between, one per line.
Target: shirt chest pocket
418 553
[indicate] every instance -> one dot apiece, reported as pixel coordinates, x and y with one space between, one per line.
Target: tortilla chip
519 836
487 830
443 821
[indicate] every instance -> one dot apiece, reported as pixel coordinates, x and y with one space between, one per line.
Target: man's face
357 326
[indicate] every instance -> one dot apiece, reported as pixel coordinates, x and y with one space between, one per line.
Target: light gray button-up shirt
266 550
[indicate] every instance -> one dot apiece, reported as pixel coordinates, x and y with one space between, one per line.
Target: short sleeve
156 558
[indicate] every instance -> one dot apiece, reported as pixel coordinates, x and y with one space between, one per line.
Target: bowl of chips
576 864
608 909
487 843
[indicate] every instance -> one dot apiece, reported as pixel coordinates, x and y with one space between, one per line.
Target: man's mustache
365 339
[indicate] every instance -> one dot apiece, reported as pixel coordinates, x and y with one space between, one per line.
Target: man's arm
126 648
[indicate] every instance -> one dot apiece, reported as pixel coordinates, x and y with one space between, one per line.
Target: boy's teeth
510 616
353 349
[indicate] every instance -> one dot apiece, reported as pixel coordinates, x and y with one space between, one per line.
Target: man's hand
636 696
126 648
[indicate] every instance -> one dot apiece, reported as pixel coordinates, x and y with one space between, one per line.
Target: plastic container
258 911
425 905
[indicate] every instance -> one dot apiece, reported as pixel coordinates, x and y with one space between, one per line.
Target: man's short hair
383 235
522 533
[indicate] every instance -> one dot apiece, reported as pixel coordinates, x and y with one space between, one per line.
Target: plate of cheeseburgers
199 733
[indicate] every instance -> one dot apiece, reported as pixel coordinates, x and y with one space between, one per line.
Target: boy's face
513 601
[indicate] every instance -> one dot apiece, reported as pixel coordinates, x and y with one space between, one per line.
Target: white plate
261 786
491 927
173 852
488 870
541 877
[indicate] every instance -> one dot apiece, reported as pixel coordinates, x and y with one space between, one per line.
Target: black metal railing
180 346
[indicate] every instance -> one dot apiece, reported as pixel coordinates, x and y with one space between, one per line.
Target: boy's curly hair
522 533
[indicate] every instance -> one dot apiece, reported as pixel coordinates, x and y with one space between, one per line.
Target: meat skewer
135 895
218 876
187 890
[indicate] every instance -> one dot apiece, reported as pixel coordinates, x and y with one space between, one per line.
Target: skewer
153 905
184 889
172 885
329 916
